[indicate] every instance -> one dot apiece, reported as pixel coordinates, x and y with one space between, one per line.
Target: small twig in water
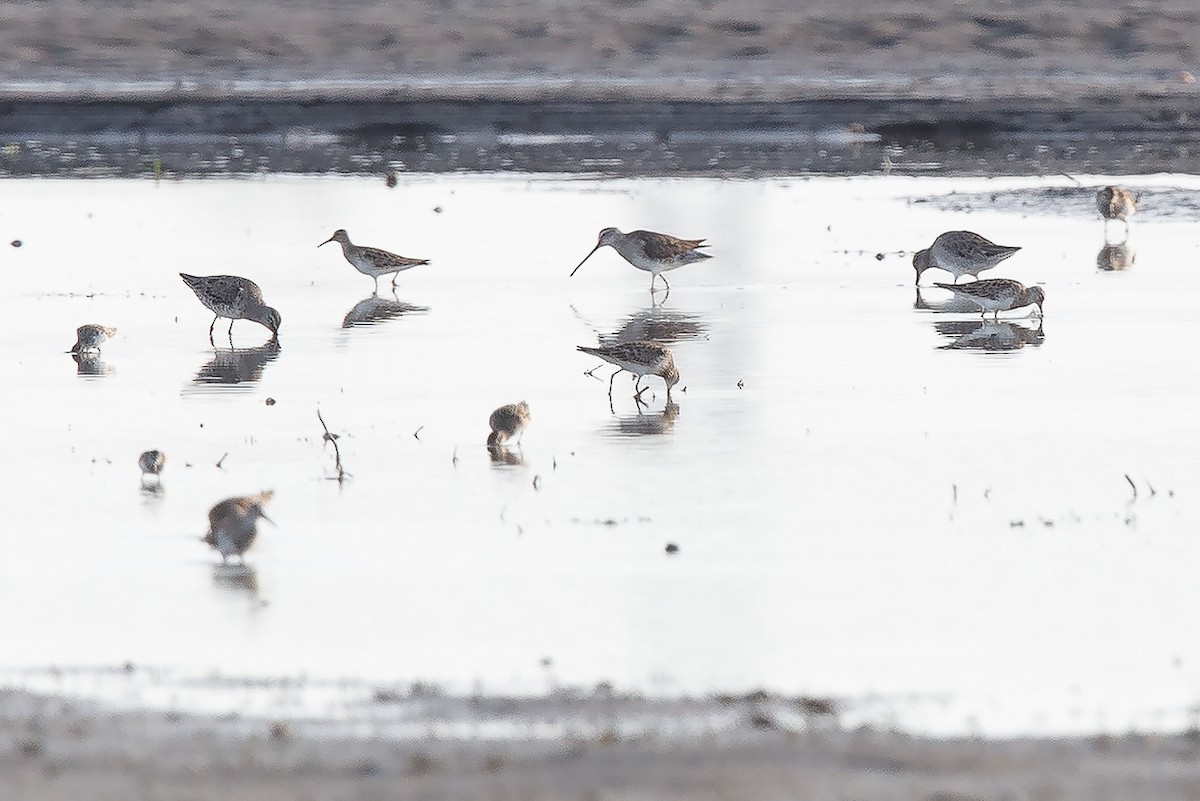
454 457
337 454
1153 492
1131 484
221 461
537 482
417 433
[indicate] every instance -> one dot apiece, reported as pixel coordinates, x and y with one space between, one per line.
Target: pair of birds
967 253
232 523
237 298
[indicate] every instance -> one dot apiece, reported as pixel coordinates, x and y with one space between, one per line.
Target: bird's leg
376 277
210 329
611 378
394 277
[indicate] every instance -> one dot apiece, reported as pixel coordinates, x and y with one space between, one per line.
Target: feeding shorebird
235 298
998 294
1116 203
961 253
507 422
151 463
372 261
90 337
233 524
641 358
654 253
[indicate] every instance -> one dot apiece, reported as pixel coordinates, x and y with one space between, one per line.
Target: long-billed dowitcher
641 358
998 294
233 524
507 422
90 337
1116 203
372 261
151 463
649 251
961 253
235 298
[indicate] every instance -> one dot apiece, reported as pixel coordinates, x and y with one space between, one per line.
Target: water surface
872 492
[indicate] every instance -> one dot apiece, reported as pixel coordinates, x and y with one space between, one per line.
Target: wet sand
672 88
51 748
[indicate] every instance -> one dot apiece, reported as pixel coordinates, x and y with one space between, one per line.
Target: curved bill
585 258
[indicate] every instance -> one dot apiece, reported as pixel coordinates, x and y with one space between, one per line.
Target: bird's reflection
90 363
1115 257
654 324
504 456
989 335
152 489
643 424
237 579
954 304
374 309
237 365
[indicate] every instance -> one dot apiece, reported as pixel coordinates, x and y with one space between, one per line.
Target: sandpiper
507 422
151 463
233 524
1116 203
998 294
641 358
961 253
235 298
90 337
372 261
654 253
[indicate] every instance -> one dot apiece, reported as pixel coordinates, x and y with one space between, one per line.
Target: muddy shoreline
178 135
52 747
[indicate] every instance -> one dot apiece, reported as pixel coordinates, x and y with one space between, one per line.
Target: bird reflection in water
1115 257
943 305
236 579
993 336
374 309
237 365
504 456
642 424
655 324
90 363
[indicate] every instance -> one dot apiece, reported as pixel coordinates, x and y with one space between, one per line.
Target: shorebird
90 337
646 250
233 524
507 422
961 253
998 294
1116 203
641 358
372 261
235 298
151 463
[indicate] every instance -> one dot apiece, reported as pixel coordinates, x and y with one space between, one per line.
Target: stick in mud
337 454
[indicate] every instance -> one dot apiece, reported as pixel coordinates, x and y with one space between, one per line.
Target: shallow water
871 494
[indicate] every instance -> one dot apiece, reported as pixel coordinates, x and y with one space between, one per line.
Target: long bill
585 258
327 241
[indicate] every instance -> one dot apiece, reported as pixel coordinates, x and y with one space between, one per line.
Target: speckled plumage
1115 257
372 261
961 253
1115 203
233 524
90 337
653 252
998 294
234 298
507 422
151 463
641 358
